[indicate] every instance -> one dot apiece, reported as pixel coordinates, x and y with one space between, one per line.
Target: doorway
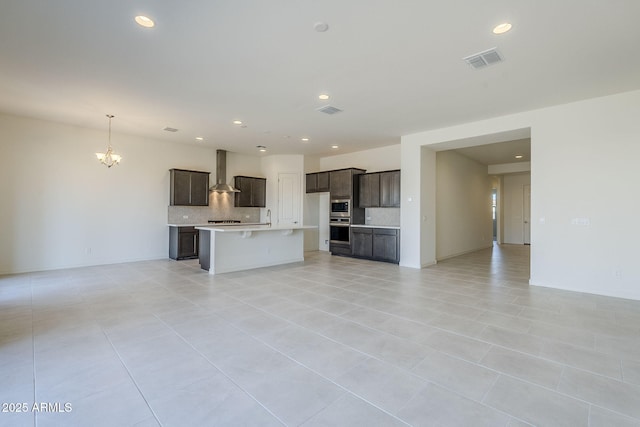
288 198
494 213
526 214
506 159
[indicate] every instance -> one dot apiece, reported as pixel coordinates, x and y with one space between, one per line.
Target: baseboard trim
463 253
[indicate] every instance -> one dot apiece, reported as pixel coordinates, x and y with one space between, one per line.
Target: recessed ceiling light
323 96
519 156
261 148
502 28
144 21
199 138
305 140
321 27
237 122
334 147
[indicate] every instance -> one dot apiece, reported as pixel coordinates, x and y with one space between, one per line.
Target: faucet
269 217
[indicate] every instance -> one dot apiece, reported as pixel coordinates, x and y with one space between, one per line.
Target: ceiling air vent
482 59
328 109
168 129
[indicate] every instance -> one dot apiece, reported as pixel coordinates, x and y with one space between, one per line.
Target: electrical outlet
185 216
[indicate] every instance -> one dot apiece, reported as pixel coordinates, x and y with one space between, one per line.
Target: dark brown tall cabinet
252 192
341 183
188 188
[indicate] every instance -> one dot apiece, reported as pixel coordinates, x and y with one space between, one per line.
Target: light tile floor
331 341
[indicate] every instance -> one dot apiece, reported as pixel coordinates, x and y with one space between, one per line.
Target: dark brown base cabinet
378 244
362 242
183 243
340 249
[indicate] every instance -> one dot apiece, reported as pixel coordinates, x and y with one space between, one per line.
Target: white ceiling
499 153
395 68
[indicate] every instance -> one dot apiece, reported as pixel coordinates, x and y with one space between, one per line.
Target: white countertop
239 224
392 227
252 227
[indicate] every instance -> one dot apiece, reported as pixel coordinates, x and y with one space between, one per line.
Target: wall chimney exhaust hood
221 174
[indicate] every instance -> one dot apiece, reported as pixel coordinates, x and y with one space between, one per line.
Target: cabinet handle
194 243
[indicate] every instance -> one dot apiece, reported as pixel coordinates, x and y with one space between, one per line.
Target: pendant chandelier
109 158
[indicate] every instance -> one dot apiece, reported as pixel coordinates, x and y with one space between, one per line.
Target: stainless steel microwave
340 208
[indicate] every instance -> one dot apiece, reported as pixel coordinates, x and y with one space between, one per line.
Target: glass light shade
109 158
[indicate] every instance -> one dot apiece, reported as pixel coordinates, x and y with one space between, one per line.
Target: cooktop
224 221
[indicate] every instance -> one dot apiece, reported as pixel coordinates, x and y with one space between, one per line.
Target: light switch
581 221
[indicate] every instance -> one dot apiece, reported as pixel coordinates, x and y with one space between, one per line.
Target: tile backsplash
382 216
220 207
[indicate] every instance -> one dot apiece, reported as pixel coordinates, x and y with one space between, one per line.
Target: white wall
505 168
583 169
242 165
513 208
62 208
374 160
463 205
271 166
584 166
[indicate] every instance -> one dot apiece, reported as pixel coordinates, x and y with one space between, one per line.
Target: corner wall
463 205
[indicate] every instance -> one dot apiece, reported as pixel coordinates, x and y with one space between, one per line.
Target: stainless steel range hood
221 174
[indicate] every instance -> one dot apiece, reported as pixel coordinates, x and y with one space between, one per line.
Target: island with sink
229 248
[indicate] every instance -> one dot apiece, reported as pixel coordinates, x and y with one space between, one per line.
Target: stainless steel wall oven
339 230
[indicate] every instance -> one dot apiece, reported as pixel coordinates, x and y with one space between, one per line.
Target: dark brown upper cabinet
252 192
380 189
188 188
369 190
317 182
340 184
390 189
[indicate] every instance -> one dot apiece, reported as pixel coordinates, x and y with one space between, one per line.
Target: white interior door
526 214
323 222
288 198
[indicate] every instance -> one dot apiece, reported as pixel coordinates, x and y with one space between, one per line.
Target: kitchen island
224 249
